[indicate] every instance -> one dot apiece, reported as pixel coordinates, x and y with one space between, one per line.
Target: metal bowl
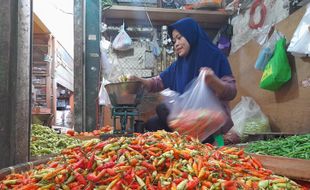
125 93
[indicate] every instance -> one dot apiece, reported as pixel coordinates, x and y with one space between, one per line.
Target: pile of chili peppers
150 161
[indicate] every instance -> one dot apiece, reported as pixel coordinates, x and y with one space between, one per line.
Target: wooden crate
292 168
22 167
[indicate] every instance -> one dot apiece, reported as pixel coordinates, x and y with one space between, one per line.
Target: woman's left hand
213 81
209 74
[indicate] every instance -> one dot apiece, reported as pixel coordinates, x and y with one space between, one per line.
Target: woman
196 53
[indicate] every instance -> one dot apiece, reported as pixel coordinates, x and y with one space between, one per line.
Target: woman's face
181 45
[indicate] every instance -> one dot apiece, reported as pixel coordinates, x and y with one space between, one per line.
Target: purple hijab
202 54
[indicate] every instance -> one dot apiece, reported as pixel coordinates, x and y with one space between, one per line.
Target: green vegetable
297 146
45 140
254 126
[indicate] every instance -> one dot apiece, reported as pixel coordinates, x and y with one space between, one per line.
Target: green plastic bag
278 71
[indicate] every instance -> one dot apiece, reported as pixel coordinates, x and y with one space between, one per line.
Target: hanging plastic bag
300 43
154 45
248 118
197 112
277 71
267 50
122 41
103 94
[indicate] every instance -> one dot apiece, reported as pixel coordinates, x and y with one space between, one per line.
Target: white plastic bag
154 46
300 43
169 97
197 112
122 41
103 94
248 118
105 62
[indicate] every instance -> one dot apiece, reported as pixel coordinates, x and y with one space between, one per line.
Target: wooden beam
39 26
163 16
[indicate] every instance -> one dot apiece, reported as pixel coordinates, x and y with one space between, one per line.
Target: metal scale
125 97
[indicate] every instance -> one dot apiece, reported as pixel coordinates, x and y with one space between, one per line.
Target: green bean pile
297 146
45 140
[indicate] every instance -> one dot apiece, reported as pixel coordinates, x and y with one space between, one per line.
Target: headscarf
202 53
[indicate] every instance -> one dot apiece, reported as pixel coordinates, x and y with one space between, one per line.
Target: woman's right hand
145 82
134 78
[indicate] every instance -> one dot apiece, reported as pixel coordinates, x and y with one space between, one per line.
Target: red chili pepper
95 178
192 184
105 166
26 187
159 187
53 164
79 187
111 171
129 176
80 178
91 161
133 162
229 185
178 180
140 172
101 145
108 180
148 165
79 164
136 147
73 185
92 177
118 185
257 162
135 185
216 155
184 174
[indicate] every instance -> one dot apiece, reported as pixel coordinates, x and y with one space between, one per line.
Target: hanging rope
263 12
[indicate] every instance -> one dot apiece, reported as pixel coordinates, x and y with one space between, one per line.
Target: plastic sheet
300 43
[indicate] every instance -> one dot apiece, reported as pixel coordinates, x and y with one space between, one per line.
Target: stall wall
289 108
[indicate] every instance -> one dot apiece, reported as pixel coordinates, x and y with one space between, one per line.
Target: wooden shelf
40 62
39 85
162 16
40 45
40 74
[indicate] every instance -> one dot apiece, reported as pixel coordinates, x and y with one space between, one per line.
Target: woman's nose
176 44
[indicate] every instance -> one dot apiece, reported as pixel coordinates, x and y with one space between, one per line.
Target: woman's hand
209 75
145 82
213 81
133 78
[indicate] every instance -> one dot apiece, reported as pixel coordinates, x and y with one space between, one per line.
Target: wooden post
15 81
79 70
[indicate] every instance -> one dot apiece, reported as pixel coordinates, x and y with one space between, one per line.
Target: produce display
97 132
198 123
157 160
297 146
45 140
252 126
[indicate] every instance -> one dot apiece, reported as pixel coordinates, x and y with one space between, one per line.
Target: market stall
223 125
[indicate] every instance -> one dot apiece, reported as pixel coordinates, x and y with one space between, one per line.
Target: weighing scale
125 97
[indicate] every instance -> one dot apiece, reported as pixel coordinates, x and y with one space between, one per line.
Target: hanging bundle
263 13
122 41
